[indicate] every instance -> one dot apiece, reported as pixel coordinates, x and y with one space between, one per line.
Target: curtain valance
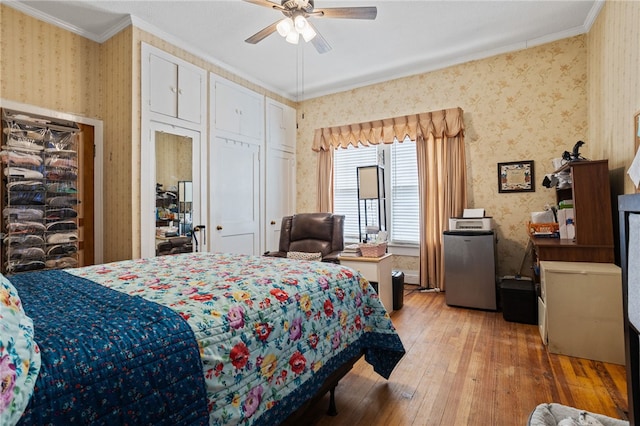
444 123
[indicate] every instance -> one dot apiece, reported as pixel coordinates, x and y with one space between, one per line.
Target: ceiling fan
296 24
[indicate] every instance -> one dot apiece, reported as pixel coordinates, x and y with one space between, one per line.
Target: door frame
98 169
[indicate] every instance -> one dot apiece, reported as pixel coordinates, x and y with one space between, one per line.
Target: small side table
377 269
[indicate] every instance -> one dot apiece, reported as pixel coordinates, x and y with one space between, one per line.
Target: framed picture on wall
516 176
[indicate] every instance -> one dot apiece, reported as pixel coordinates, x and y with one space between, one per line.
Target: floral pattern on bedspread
270 330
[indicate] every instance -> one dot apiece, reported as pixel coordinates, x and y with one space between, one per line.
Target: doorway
90 178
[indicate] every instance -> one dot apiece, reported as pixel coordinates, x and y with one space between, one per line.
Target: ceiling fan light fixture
285 27
308 33
296 23
300 23
293 37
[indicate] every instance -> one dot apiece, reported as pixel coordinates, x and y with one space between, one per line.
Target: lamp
292 28
371 191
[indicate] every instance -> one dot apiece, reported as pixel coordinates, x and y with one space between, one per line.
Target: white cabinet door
225 112
251 106
235 196
238 110
190 83
280 193
176 88
163 80
281 126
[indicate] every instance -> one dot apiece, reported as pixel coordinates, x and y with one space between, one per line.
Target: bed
198 338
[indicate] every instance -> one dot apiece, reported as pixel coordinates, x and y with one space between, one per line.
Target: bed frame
329 385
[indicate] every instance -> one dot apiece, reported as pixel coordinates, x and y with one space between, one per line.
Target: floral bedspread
270 330
108 358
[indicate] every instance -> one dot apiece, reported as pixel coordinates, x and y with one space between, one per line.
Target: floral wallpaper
614 88
48 67
531 104
526 105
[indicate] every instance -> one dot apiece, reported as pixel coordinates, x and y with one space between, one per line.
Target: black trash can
397 278
519 301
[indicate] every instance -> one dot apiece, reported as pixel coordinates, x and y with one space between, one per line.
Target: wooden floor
469 367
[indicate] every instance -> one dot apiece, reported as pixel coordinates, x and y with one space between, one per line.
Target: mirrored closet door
171 188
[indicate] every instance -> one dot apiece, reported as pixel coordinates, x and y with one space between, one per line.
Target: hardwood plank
469 367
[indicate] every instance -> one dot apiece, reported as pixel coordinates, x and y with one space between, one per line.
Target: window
345 185
401 180
405 202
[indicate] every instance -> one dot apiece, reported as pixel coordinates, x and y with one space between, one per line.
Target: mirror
171 158
173 169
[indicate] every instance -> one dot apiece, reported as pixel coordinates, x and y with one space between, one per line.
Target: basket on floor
373 249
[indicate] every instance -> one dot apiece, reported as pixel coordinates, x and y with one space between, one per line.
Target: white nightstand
377 269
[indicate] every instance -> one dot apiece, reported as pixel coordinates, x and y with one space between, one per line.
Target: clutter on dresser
544 224
574 155
561 177
351 250
375 248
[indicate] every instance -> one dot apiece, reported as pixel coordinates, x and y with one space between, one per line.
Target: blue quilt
109 358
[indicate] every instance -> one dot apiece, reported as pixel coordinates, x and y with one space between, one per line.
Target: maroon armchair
312 233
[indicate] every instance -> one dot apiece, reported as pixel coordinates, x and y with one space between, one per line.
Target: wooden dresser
591 195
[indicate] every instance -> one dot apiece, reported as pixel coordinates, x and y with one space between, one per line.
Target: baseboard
411 277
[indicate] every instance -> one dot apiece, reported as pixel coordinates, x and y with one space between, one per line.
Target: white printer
471 220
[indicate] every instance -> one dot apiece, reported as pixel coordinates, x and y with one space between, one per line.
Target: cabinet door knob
219 228
273 222
180 91
173 89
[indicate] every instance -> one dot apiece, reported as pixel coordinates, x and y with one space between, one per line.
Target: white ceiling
406 38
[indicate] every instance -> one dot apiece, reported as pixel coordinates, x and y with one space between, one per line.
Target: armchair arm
275 254
333 257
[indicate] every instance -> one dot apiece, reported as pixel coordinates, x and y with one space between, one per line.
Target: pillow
19 355
301 255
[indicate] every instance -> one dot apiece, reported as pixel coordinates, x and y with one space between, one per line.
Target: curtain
442 192
439 136
389 129
324 199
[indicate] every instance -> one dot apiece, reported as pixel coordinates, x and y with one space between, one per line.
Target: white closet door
281 193
163 80
235 197
189 94
280 199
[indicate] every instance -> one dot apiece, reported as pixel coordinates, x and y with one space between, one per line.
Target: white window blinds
405 207
401 175
345 185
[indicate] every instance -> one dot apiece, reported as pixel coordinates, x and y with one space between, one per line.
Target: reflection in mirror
173 169
185 206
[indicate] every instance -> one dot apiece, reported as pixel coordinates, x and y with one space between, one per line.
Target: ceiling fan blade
266 3
369 12
263 33
318 41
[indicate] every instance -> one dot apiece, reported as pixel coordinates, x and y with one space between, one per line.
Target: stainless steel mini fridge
470 269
